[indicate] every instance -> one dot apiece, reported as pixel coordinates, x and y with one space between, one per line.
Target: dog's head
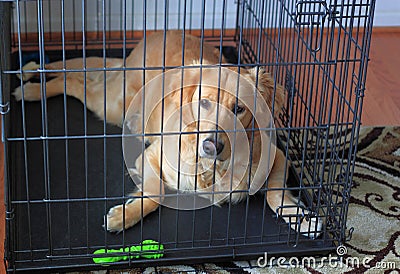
211 103
224 105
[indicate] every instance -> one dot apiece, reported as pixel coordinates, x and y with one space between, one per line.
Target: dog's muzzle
211 147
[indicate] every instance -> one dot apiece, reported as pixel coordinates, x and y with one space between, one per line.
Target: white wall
116 10
387 14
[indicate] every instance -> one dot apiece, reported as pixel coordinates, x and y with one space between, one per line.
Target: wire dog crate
64 168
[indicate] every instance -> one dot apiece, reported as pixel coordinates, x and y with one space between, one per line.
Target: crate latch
312 15
311 12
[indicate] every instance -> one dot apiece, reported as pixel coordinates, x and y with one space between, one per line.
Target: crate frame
307 45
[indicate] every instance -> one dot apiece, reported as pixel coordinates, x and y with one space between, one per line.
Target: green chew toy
148 249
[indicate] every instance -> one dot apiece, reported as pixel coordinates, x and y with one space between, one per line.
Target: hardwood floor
382 95
381 101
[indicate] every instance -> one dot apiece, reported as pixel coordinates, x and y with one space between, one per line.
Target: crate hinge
10 215
4 108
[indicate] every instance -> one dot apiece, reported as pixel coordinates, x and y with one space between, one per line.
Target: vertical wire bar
24 133
65 125
143 112
321 142
249 26
223 30
213 19
45 143
162 114
271 28
291 107
190 16
342 91
280 26
109 23
265 24
347 83
180 118
74 21
293 119
198 115
285 53
308 92
340 88
240 26
305 108
85 122
217 114
274 19
122 19
258 60
8 41
334 87
50 20
310 114
282 55
104 32
321 103
98 21
13 39
155 15
329 49
25 21
331 174
133 20
358 89
124 89
179 15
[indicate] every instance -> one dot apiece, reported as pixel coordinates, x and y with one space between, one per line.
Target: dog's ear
273 93
182 92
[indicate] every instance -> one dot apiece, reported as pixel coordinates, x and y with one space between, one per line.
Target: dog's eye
238 109
204 103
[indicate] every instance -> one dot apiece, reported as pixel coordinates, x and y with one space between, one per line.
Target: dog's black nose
211 147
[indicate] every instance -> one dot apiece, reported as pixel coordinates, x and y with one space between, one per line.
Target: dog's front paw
311 226
31 92
18 94
114 220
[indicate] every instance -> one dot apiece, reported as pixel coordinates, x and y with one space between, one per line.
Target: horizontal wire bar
105 136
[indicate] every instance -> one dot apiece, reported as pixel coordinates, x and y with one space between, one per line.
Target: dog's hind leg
74 63
286 205
33 91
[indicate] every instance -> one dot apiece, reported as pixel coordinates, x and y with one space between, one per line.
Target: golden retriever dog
207 155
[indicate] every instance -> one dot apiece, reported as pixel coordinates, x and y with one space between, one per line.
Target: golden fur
152 155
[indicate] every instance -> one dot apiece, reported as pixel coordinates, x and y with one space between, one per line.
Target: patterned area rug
374 213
